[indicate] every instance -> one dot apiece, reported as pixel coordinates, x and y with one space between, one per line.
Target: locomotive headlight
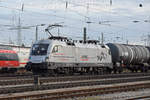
46 59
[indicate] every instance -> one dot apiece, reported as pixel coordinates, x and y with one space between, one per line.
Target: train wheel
70 71
115 70
109 70
4 70
34 72
28 67
92 72
146 69
105 70
120 70
132 70
142 69
136 69
13 70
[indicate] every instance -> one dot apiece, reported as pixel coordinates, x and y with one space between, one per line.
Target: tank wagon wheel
117 70
132 70
136 69
144 69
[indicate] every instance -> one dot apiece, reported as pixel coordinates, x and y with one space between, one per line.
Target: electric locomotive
61 55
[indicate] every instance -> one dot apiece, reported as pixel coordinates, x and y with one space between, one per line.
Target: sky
120 20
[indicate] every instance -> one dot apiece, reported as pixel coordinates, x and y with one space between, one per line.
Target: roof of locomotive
77 43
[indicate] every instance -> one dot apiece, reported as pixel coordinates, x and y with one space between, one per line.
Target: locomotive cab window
39 49
57 48
103 46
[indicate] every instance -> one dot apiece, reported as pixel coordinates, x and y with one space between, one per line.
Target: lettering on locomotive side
102 56
84 58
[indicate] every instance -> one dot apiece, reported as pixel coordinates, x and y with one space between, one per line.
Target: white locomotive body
62 55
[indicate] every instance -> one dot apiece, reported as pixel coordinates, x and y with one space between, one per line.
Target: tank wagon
133 57
61 55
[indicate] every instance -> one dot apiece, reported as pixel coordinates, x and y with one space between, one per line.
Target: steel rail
68 84
80 92
30 80
140 98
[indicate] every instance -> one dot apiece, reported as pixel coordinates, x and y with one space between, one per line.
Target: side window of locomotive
109 52
103 46
60 49
55 49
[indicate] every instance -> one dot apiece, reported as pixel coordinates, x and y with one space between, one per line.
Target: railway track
68 84
30 80
145 97
59 94
8 76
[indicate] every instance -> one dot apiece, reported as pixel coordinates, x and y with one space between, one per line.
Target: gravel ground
116 96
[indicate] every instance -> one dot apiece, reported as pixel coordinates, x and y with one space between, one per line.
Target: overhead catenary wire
67 18
24 10
51 15
89 4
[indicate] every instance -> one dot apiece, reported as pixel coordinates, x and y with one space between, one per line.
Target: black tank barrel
129 54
